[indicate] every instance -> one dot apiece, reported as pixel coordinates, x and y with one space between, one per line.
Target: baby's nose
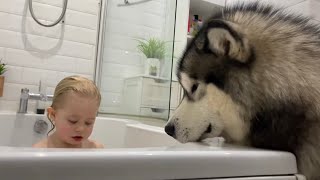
79 128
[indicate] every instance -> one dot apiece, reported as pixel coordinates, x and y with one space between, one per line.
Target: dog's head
207 71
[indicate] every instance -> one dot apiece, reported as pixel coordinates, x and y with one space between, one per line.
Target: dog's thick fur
252 75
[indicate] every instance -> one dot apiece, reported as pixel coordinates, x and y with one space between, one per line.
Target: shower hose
56 22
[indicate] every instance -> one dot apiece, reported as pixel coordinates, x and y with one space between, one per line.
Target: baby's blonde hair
76 84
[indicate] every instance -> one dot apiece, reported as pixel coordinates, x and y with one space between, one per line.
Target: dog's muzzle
170 130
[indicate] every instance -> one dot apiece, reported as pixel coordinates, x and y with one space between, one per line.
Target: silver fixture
25 96
127 3
40 126
65 4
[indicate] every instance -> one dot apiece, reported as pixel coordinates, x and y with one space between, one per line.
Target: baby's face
75 119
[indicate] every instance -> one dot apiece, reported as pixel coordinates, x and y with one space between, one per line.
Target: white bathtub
134 151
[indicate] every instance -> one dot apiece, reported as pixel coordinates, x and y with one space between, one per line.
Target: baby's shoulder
41 144
94 144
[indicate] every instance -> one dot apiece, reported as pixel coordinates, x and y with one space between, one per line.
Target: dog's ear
225 39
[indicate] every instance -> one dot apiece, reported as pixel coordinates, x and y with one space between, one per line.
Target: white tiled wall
33 52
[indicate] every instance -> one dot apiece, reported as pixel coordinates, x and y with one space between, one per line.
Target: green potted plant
3 69
154 49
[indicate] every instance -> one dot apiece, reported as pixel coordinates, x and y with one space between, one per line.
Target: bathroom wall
33 52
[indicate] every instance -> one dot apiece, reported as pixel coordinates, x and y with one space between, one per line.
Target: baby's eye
89 123
72 121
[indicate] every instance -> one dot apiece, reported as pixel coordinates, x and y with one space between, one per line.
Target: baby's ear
51 113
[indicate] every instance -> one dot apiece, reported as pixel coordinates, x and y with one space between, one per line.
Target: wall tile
35 53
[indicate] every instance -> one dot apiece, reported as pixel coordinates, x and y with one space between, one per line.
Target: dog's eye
194 88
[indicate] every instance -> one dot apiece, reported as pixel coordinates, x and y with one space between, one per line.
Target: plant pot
152 67
1 85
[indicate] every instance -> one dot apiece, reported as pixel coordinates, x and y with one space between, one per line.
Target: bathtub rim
157 159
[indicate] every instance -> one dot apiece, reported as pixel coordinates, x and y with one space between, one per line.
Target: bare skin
50 142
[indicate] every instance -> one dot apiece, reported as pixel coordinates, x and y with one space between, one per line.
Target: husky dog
252 76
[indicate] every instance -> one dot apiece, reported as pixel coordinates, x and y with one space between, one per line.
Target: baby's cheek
89 131
65 130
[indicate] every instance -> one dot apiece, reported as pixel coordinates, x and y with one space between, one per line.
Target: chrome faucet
25 96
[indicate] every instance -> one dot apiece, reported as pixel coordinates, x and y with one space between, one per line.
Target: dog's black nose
170 130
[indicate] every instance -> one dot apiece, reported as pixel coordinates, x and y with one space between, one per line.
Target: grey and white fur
252 75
